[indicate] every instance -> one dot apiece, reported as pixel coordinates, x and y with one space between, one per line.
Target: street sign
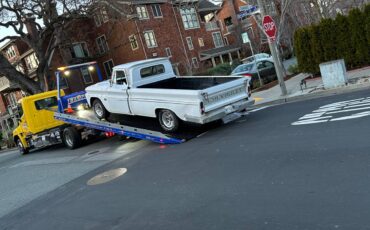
269 27
245 11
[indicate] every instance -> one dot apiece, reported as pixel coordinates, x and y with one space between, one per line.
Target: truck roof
136 63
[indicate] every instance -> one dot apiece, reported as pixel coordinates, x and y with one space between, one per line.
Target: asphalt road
292 166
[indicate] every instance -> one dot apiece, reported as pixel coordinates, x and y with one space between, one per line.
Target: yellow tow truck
37 126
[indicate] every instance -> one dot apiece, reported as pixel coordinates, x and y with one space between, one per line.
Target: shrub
346 37
293 69
220 70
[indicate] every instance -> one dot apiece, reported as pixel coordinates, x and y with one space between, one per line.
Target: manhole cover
106 176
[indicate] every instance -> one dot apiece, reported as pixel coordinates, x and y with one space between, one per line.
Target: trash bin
334 74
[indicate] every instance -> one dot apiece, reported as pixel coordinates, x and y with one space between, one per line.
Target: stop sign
269 26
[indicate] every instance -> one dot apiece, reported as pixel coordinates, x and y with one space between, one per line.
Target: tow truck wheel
99 109
71 138
168 120
22 150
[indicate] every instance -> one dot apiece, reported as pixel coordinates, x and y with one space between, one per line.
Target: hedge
345 37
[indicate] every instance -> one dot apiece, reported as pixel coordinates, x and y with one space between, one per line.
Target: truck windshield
46 103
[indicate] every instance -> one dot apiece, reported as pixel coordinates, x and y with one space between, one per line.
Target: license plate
229 109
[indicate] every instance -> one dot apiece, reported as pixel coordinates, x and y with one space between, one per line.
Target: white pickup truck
150 88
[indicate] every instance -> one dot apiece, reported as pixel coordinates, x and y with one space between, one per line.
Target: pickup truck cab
150 88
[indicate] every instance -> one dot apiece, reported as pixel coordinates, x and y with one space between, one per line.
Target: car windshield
243 68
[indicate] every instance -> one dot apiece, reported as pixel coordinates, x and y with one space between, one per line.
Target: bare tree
42 25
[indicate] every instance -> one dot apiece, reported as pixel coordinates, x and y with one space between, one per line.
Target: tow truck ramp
85 118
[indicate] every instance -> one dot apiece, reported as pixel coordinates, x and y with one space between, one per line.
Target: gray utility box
334 74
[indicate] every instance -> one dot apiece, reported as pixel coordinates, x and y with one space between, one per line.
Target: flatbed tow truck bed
136 127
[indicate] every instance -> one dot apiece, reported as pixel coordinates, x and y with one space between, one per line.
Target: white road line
348 110
357 115
258 109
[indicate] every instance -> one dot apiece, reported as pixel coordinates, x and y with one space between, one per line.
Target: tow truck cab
37 126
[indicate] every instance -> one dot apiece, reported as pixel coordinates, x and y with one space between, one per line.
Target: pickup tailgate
224 94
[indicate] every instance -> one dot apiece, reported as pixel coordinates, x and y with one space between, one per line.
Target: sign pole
277 64
246 39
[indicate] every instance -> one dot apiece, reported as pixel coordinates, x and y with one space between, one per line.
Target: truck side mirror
110 82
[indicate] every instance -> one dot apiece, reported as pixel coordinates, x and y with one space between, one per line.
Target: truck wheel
168 120
99 109
22 149
71 138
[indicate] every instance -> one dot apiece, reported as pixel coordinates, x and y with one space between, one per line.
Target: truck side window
46 103
152 70
120 77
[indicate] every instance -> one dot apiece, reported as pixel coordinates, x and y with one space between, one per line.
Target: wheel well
159 109
92 100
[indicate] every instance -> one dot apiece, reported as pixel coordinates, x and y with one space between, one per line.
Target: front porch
221 55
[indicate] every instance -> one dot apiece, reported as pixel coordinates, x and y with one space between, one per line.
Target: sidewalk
358 78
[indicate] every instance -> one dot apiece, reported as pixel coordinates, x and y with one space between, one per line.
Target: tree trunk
25 83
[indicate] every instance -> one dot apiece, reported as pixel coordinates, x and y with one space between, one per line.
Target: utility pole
273 50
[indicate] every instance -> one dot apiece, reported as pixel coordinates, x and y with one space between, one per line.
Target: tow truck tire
99 109
22 149
71 138
168 120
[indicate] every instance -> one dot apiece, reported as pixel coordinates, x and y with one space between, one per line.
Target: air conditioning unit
154 54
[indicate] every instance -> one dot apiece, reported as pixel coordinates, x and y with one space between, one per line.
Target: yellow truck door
38 110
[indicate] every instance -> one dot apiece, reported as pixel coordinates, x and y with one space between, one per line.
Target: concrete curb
326 93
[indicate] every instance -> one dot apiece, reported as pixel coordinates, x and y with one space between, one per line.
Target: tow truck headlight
80 107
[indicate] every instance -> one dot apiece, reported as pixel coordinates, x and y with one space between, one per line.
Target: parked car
266 70
150 88
256 57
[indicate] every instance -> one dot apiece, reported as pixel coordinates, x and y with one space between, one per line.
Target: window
152 70
108 66
20 68
10 52
63 84
190 43
12 99
133 42
120 77
104 14
189 18
31 62
102 44
168 52
228 21
217 39
101 16
150 39
46 103
157 13
79 50
142 12
194 60
226 41
201 42
86 75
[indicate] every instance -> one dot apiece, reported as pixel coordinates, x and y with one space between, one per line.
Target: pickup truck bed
193 83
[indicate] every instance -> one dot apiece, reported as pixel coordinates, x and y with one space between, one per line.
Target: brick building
187 32
24 59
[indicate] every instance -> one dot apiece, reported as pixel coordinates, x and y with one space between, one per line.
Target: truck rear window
46 103
152 70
